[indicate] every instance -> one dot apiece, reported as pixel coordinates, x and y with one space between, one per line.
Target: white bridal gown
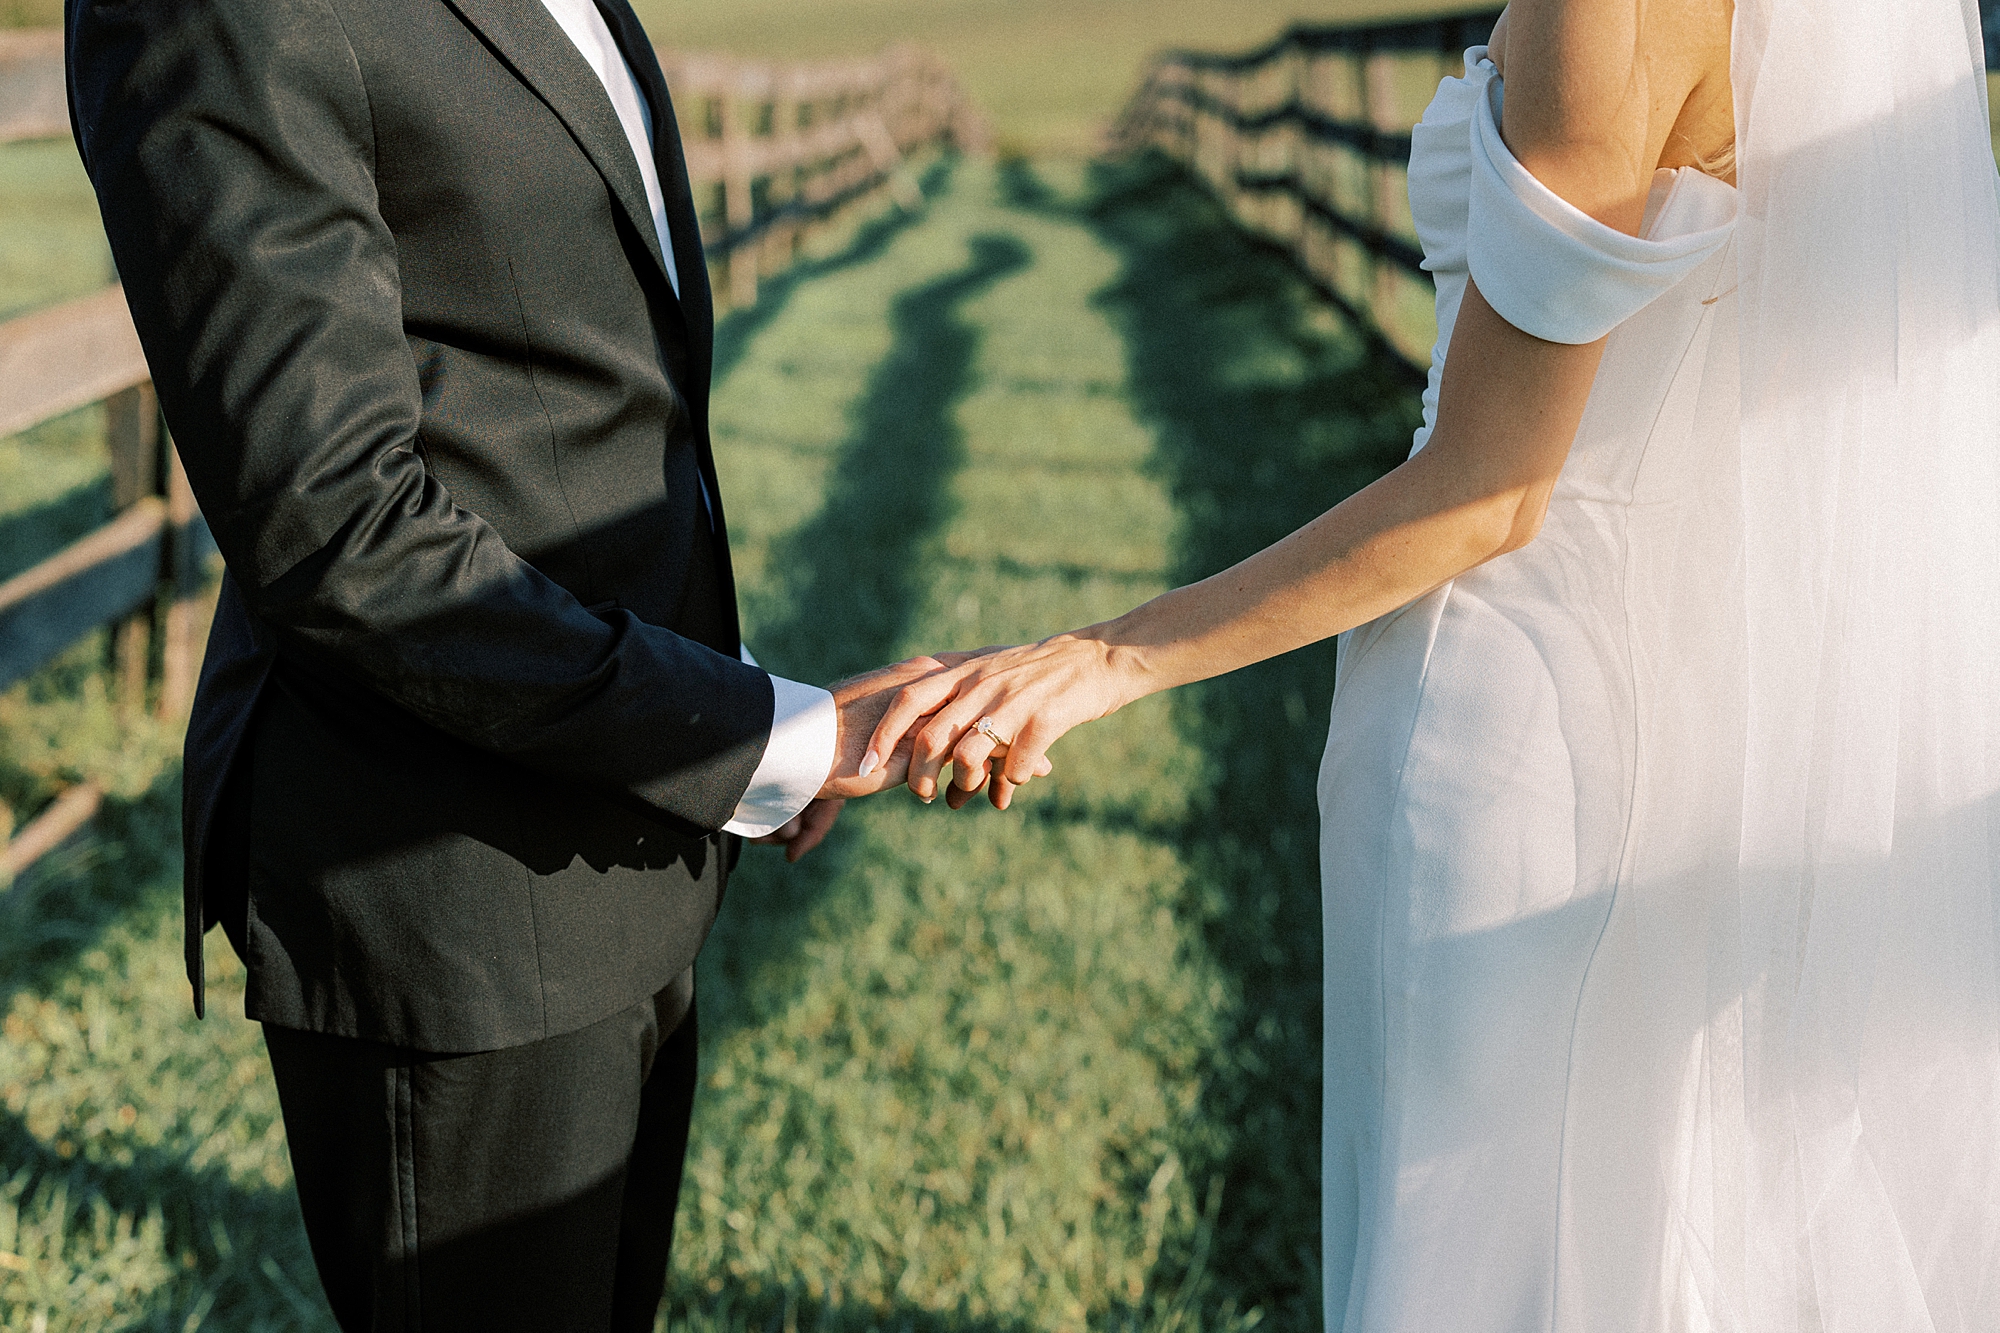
1612 1046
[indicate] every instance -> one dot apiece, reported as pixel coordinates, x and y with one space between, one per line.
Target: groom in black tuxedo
423 294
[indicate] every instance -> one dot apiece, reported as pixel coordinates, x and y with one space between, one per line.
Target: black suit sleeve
231 147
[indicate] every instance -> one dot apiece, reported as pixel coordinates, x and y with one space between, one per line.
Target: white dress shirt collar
587 29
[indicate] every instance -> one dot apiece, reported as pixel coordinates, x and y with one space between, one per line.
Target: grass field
965 1073
1049 1070
969 1072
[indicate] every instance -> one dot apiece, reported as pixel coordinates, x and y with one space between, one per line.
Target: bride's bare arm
1592 110
1509 408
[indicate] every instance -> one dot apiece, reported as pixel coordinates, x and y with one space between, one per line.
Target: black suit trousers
530 1188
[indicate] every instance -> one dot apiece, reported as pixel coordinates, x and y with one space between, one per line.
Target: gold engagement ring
985 728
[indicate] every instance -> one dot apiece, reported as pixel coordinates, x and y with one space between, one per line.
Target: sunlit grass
981 1073
1045 1070
952 1053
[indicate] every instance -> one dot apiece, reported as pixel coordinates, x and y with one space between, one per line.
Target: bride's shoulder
1602 42
1664 32
1597 88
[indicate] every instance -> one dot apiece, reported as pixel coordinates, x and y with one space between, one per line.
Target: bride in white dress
1661 801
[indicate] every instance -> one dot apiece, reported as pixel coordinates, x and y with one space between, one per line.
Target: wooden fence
773 151
140 573
1307 142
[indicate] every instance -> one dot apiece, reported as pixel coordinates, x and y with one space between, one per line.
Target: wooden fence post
738 206
180 658
1292 214
1317 171
1379 90
1189 128
933 102
1231 165
132 429
781 245
1216 144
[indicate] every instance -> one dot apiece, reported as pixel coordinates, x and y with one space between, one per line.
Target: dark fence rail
55 361
774 151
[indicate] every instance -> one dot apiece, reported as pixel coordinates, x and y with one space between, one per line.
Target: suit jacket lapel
541 55
529 40
690 264
683 226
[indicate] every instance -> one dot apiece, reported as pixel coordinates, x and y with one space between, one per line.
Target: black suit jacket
396 278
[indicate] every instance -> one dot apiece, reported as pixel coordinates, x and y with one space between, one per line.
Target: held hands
1027 697
903 723
859 703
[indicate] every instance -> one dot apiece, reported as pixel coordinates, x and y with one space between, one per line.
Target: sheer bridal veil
1857 969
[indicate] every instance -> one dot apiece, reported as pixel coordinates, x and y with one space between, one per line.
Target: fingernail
870 762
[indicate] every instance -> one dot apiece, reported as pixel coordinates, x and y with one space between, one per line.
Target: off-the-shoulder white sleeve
1545 266
805 729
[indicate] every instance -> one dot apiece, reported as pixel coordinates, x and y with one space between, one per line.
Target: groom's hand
861 702
805 830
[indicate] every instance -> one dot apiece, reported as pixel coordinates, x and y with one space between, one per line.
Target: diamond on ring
985 728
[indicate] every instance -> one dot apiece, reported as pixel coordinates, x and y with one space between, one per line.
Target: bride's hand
1028 696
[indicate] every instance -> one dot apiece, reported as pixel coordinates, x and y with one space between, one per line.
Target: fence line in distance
775 150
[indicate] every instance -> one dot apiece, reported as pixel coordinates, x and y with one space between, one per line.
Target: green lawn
1046 1070
30 13
964 1072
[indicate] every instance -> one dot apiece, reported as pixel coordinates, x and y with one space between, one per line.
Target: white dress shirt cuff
805 728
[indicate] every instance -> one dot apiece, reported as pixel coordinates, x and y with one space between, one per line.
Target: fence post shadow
736 330
56 910
853 577
1268 410
122 870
